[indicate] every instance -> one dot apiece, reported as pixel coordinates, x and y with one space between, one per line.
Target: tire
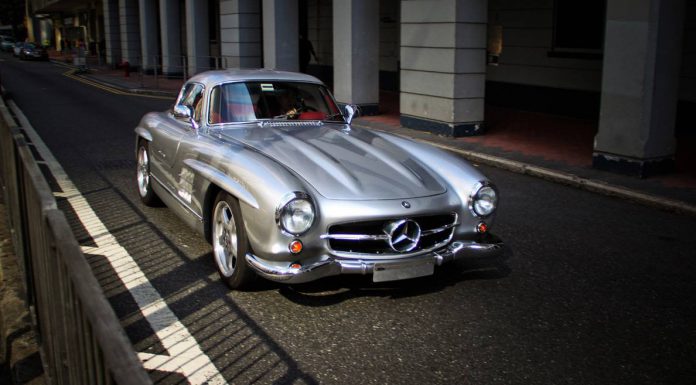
230 242
142 176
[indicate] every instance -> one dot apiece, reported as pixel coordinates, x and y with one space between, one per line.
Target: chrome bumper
454 251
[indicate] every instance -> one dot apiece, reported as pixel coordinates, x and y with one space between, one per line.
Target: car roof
212 78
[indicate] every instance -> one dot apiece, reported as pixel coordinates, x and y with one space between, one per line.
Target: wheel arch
141 134
211 194
217 181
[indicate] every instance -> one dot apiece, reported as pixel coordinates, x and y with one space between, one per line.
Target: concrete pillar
112 32
197 39
170 32
443 65
130 31
99 36
640 81
149 41
281 35
356 53
240 33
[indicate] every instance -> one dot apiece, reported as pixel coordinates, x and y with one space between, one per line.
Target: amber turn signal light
295 247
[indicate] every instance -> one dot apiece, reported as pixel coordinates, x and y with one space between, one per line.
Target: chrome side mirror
351 112
182 112
185 113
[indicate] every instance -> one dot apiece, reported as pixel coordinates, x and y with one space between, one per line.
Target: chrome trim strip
439 229
222 180
355 237
372 256
181 202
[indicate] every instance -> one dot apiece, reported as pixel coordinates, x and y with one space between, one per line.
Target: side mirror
351 112
182 112
185 113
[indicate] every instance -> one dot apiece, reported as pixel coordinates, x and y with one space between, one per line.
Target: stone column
356 53
130 32
170 31
281 35
149 41
197 39
640 81
112 32
240 33
443 65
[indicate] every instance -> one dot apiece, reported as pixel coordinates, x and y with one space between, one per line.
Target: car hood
340 163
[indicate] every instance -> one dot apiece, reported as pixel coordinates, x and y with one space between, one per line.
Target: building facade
629 65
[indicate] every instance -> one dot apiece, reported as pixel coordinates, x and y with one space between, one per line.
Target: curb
575 181
91 77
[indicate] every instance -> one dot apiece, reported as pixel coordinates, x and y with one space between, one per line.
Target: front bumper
403 268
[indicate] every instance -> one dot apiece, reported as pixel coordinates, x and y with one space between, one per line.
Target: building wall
389 35
687 89
527 40
320 33
240 33
320 30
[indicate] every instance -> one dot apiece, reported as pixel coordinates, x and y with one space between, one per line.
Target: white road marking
185 356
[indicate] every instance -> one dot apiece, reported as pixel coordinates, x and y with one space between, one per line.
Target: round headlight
484 200
296 216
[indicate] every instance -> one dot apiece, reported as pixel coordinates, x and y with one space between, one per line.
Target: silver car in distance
266 166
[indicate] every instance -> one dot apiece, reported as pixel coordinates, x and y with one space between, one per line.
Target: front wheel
230 242
147 195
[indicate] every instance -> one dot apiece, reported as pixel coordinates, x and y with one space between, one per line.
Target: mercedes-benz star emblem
404 235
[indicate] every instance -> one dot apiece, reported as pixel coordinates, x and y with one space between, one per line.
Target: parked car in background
32 51
17 48
7 43
266 166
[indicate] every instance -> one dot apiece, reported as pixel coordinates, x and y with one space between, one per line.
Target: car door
171 131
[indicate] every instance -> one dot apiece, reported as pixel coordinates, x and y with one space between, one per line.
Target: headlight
484 200
297 215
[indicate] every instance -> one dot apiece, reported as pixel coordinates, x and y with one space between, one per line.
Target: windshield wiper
332 116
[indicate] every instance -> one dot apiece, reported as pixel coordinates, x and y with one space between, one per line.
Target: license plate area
402 270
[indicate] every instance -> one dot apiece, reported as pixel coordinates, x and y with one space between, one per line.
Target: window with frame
192 97
578 28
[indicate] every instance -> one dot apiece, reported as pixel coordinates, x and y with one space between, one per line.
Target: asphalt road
596 290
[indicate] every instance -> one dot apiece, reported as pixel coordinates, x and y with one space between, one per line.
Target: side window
192 96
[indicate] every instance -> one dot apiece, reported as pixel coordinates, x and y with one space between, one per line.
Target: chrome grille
370 237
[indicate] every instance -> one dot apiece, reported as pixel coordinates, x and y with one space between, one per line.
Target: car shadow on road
334 290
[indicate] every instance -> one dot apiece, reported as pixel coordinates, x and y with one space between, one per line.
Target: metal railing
80 337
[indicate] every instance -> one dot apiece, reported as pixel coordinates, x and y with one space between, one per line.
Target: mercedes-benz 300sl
272 172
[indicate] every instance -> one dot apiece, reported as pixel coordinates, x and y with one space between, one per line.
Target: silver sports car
268 168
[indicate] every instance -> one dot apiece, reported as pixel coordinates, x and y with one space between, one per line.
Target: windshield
251 101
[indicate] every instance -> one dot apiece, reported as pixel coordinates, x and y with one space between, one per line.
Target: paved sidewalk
552 147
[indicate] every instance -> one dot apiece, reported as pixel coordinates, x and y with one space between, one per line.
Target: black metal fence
80 337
